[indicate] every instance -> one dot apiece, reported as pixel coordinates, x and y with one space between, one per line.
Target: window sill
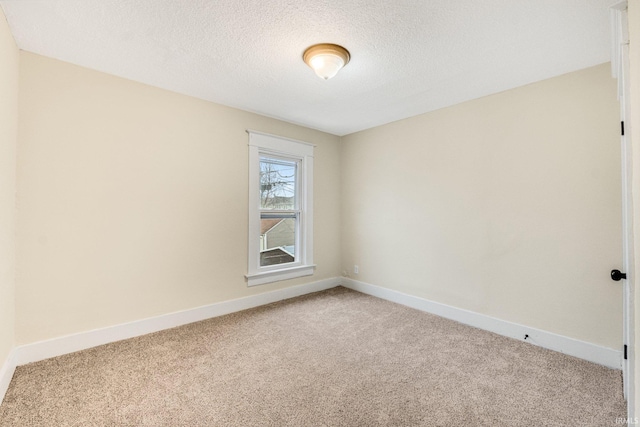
277 275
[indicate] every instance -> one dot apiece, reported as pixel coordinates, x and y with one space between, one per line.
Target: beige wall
9 59
508 206
133 200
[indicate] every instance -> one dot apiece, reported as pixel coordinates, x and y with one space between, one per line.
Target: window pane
277 183
277 239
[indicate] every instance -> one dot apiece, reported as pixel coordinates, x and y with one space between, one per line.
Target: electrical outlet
355 269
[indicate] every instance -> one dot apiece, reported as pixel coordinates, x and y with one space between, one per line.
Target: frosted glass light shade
326 59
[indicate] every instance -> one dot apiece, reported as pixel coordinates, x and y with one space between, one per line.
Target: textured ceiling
407 57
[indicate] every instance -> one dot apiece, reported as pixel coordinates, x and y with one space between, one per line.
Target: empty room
302 213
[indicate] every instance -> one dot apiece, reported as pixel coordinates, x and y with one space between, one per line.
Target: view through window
279 214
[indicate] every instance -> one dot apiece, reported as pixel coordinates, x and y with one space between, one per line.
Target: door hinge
625 352
622 128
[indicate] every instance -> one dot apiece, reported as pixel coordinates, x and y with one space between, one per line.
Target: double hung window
280 209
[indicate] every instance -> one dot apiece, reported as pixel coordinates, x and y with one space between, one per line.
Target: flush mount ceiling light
326 59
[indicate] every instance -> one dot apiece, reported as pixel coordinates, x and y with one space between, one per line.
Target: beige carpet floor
334 358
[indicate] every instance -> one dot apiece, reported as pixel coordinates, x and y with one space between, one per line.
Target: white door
620 69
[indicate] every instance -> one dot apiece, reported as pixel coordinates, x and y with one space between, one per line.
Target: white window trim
263 143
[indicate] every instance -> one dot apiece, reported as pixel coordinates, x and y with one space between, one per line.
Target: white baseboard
6 373
71 343
584 350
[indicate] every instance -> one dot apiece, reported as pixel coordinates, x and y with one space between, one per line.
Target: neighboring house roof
268 224
275 256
